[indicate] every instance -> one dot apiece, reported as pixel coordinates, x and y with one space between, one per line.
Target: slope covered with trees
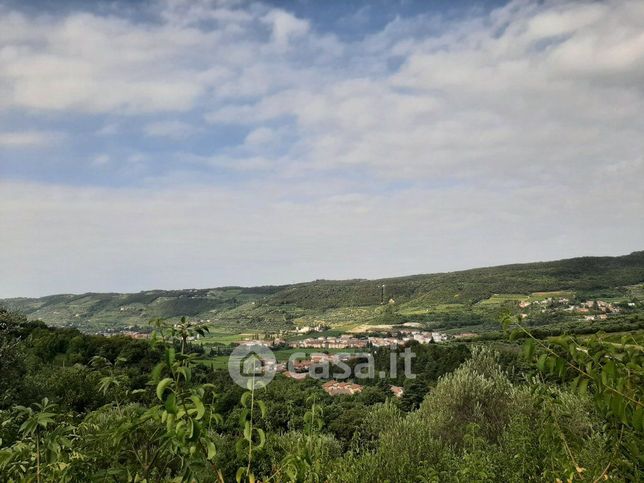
285 306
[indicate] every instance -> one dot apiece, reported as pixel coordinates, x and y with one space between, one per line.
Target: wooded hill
288 305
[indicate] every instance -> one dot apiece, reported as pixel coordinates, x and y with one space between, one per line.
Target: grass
499 299
217 362
223 337
556 294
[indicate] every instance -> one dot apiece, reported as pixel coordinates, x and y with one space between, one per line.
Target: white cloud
112 64
261 135
100 160
176 130
549 90
108 129
27 139
432 144
201 236
285 27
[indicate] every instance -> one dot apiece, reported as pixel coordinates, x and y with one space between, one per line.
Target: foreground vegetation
77 407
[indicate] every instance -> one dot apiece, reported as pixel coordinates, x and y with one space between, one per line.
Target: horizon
180 143
298 282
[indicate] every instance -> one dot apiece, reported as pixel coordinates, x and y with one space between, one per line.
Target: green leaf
574 383
169 422
582 387
162 386
262 438
541 362
262 408
240 474
244 398
551 362
528 349
171 404
212 451
248 432
199 406
638 419
243 415
156 372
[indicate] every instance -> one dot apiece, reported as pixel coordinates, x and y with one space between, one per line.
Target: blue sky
170 144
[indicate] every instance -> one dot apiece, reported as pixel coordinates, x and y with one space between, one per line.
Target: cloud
433 143
100 160
176 130
261 135
285 27
531 89
28 139
90 63
108 129
202 236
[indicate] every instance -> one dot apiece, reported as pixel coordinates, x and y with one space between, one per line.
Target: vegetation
78 407
471 298
553 393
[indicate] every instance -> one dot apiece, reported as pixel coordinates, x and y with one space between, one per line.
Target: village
370 339
352 341
590 310
300 369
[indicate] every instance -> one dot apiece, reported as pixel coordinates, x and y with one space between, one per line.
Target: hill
463 298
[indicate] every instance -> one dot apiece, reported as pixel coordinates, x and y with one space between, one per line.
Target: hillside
464 298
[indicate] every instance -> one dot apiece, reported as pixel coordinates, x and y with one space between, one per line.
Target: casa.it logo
252 365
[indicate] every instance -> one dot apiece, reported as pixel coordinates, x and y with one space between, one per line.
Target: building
397 391
335 388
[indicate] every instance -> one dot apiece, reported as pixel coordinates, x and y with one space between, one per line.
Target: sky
202 143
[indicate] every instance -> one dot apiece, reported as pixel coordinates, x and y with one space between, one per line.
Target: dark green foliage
91 408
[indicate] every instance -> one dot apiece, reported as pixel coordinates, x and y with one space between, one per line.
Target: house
321 358
335 388
439 337
257 342
301 366
398 391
